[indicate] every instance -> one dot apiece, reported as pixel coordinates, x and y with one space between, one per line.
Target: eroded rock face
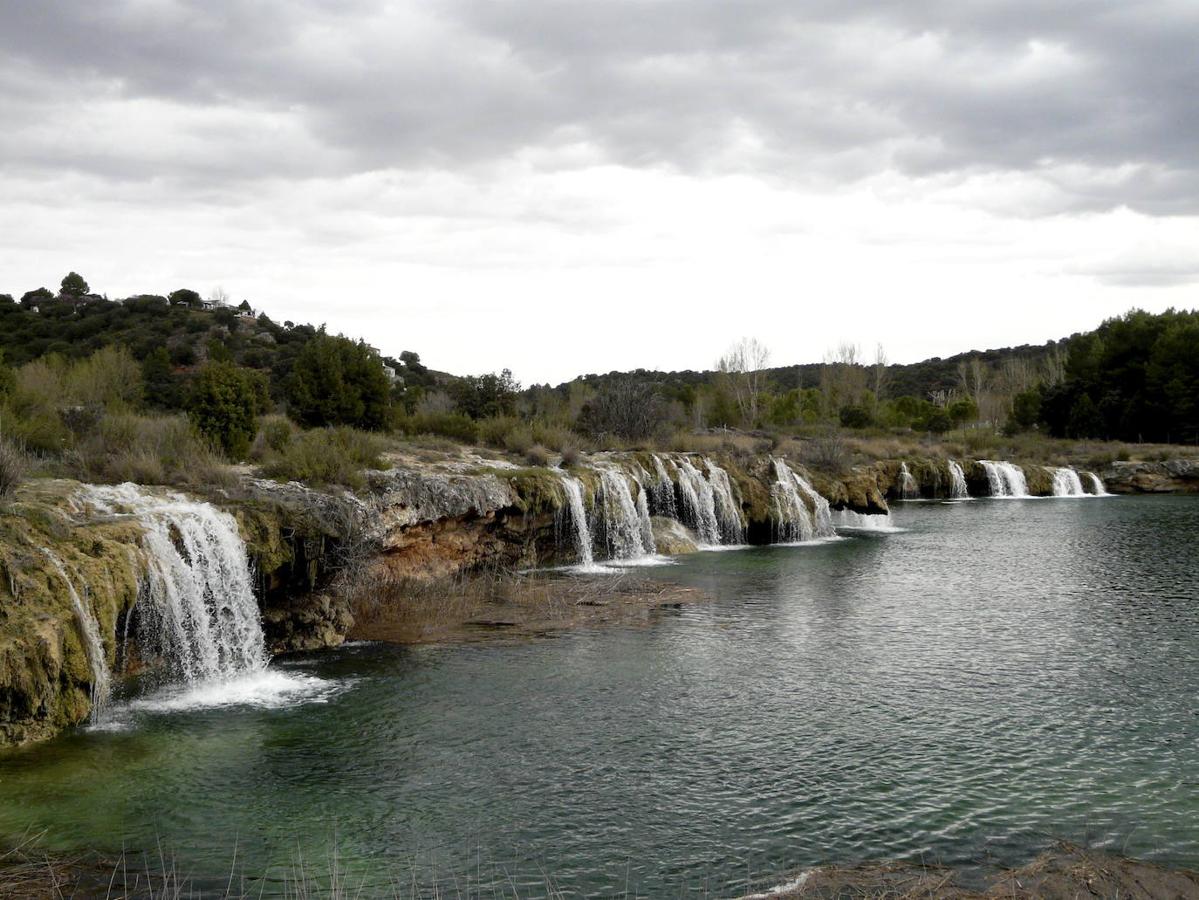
45 670
673 538
1170 476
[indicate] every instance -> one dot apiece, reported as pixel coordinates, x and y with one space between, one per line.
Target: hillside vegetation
172 388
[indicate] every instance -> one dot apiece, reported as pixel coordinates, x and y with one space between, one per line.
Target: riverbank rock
1178 476
673 538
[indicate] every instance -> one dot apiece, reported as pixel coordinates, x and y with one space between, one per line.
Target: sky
571 186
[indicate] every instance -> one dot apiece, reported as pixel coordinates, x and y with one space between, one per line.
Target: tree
161 385
482 396
1084 419
962 410
222 405
741 369
244 306
36 296
336 381
186 295
73 285
1026 409
627 407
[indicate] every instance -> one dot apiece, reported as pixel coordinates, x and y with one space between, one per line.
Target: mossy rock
45 675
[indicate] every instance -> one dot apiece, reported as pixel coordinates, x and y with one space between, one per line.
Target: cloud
1093 98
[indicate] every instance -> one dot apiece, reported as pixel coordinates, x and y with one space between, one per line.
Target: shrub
148 450
571 455
451 425
275 433
829 454
519 440
537 455
13 467
223 402
494 431
336 381
327 456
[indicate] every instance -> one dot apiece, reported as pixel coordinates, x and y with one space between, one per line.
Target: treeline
166 388
1135 378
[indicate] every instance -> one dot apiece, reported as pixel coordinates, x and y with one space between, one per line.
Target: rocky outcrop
1178 476
45 669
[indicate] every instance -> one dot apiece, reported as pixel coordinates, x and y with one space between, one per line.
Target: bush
537 455
451 425
275 433
519 440
494 431
13 467
571 455
223 402
829 454
336 381
147 450
327 456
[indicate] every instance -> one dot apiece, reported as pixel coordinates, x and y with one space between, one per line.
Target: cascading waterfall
578 519
821 514
792 519
957 482
855 521
909 488
647 526
699 503
732 529
1098 488
619 519
1066 483
801 513
93 645
1005 479
197 608
663 491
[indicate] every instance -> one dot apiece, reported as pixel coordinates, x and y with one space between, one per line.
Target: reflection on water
992 675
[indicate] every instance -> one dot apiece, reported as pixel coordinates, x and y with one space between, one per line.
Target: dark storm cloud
1095 97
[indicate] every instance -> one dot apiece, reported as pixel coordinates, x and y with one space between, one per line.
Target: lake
995 675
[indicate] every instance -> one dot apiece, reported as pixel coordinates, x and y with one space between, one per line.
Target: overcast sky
571 187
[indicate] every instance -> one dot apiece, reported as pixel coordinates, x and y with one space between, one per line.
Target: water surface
997 674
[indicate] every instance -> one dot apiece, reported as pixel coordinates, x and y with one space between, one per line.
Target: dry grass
13 468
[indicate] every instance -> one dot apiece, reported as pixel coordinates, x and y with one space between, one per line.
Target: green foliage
452 425
1026 409
275 434
162 387
855 416
962 410
73 285
327 456
336 381
1135 378
481 396
36 296
222 404
188 296
146 450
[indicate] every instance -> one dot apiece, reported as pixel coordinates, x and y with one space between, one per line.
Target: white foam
271 689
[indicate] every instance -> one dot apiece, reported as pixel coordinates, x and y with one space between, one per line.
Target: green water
999 674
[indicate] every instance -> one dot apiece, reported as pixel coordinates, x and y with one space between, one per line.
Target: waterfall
647 527
1098 488
792 520
197 607
732 530
89 632
801 513
663 491
821 514
909 488
618 518
699 503
578 519
1066 483
1005 479
847 518
957 482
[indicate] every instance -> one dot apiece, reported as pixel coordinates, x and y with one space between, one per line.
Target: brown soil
509 606
1067 872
